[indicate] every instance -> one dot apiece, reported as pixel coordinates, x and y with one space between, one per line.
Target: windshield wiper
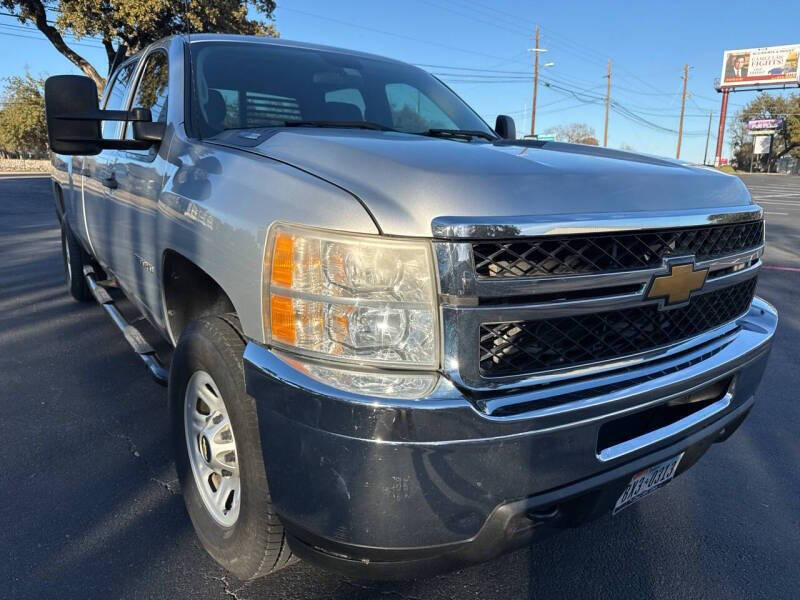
462 133
343 124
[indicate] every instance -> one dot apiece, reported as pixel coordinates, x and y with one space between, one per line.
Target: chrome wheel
212 449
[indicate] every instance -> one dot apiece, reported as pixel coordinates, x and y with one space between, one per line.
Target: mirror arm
126 145
149 131
106 115
112 144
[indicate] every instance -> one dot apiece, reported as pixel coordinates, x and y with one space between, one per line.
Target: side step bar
132 335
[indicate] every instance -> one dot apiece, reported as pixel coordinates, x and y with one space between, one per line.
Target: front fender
217 204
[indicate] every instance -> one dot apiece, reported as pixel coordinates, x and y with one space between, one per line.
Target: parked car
403 341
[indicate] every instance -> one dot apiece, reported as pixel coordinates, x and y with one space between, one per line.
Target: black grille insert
586 254
524 347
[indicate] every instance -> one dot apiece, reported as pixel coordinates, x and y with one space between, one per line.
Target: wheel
218 451
75 258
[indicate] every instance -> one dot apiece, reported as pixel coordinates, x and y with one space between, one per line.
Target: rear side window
153 88
347 96
414 111
116 98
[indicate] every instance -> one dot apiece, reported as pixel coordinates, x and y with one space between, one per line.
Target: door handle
110 181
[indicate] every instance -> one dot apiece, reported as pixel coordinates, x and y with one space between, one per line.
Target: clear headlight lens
396 385
349 297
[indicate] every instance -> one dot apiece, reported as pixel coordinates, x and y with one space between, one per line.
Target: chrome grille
608 252
526 347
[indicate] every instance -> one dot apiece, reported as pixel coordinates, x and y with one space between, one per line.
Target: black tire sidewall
77 258
211 345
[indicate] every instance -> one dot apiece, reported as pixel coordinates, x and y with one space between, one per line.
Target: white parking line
783 188
766 212
793 195
776 268
778 202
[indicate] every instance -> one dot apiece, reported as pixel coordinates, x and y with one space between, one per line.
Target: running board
132 335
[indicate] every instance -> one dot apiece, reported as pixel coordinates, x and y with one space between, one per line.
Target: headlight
349 297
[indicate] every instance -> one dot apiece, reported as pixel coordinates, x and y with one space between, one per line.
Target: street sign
764 126
761 144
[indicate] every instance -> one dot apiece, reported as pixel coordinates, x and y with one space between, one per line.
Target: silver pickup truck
403 341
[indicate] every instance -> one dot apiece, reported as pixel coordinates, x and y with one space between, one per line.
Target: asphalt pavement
90 506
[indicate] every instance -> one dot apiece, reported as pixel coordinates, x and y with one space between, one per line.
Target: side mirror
73 119
505 128
70 95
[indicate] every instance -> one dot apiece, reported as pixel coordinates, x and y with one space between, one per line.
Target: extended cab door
99 185
139 175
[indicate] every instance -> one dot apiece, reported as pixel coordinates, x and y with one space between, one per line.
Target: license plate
647 481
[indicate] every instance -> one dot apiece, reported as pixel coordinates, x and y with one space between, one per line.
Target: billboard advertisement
754 66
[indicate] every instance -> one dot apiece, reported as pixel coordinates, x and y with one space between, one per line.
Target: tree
22 125
126 26
575 133
766 106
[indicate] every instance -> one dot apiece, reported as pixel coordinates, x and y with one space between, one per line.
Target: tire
75 258
253 545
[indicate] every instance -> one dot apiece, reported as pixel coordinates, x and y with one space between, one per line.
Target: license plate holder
647 481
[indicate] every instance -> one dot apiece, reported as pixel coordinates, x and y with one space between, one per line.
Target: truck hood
407 181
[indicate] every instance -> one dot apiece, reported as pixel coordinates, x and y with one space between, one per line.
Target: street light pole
535 80
608 100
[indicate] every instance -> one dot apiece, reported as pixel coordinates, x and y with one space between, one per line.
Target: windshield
242 85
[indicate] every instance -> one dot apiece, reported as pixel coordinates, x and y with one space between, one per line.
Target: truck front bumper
386 488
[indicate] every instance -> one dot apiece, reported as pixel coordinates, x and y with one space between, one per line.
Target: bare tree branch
34 9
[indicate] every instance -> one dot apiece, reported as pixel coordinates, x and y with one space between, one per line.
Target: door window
152 89
115 100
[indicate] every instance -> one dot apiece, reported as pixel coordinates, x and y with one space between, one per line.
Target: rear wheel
75 258
218 451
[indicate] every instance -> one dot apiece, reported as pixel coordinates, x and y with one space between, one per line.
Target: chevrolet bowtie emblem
676 286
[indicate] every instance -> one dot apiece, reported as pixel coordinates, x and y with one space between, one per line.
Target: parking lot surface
90 506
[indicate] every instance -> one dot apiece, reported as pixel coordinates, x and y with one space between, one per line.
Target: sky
480 49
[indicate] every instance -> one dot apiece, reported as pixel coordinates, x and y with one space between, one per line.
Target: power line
492 23
42 39
392 34
559 40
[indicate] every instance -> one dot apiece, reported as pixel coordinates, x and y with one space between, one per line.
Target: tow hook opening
640 423
541 515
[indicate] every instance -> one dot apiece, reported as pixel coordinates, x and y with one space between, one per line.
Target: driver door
139 176
99 186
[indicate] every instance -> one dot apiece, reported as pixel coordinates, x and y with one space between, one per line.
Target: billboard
754 66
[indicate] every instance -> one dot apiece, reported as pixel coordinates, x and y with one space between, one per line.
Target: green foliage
127 26
575 133
767 106
22 124
136 23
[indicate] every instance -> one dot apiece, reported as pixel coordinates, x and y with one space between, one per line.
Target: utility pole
608 100
683 108
535 80
708 137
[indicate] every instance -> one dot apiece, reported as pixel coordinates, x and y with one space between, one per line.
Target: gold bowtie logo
677 285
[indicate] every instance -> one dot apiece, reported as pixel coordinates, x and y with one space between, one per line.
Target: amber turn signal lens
282 319
283 260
